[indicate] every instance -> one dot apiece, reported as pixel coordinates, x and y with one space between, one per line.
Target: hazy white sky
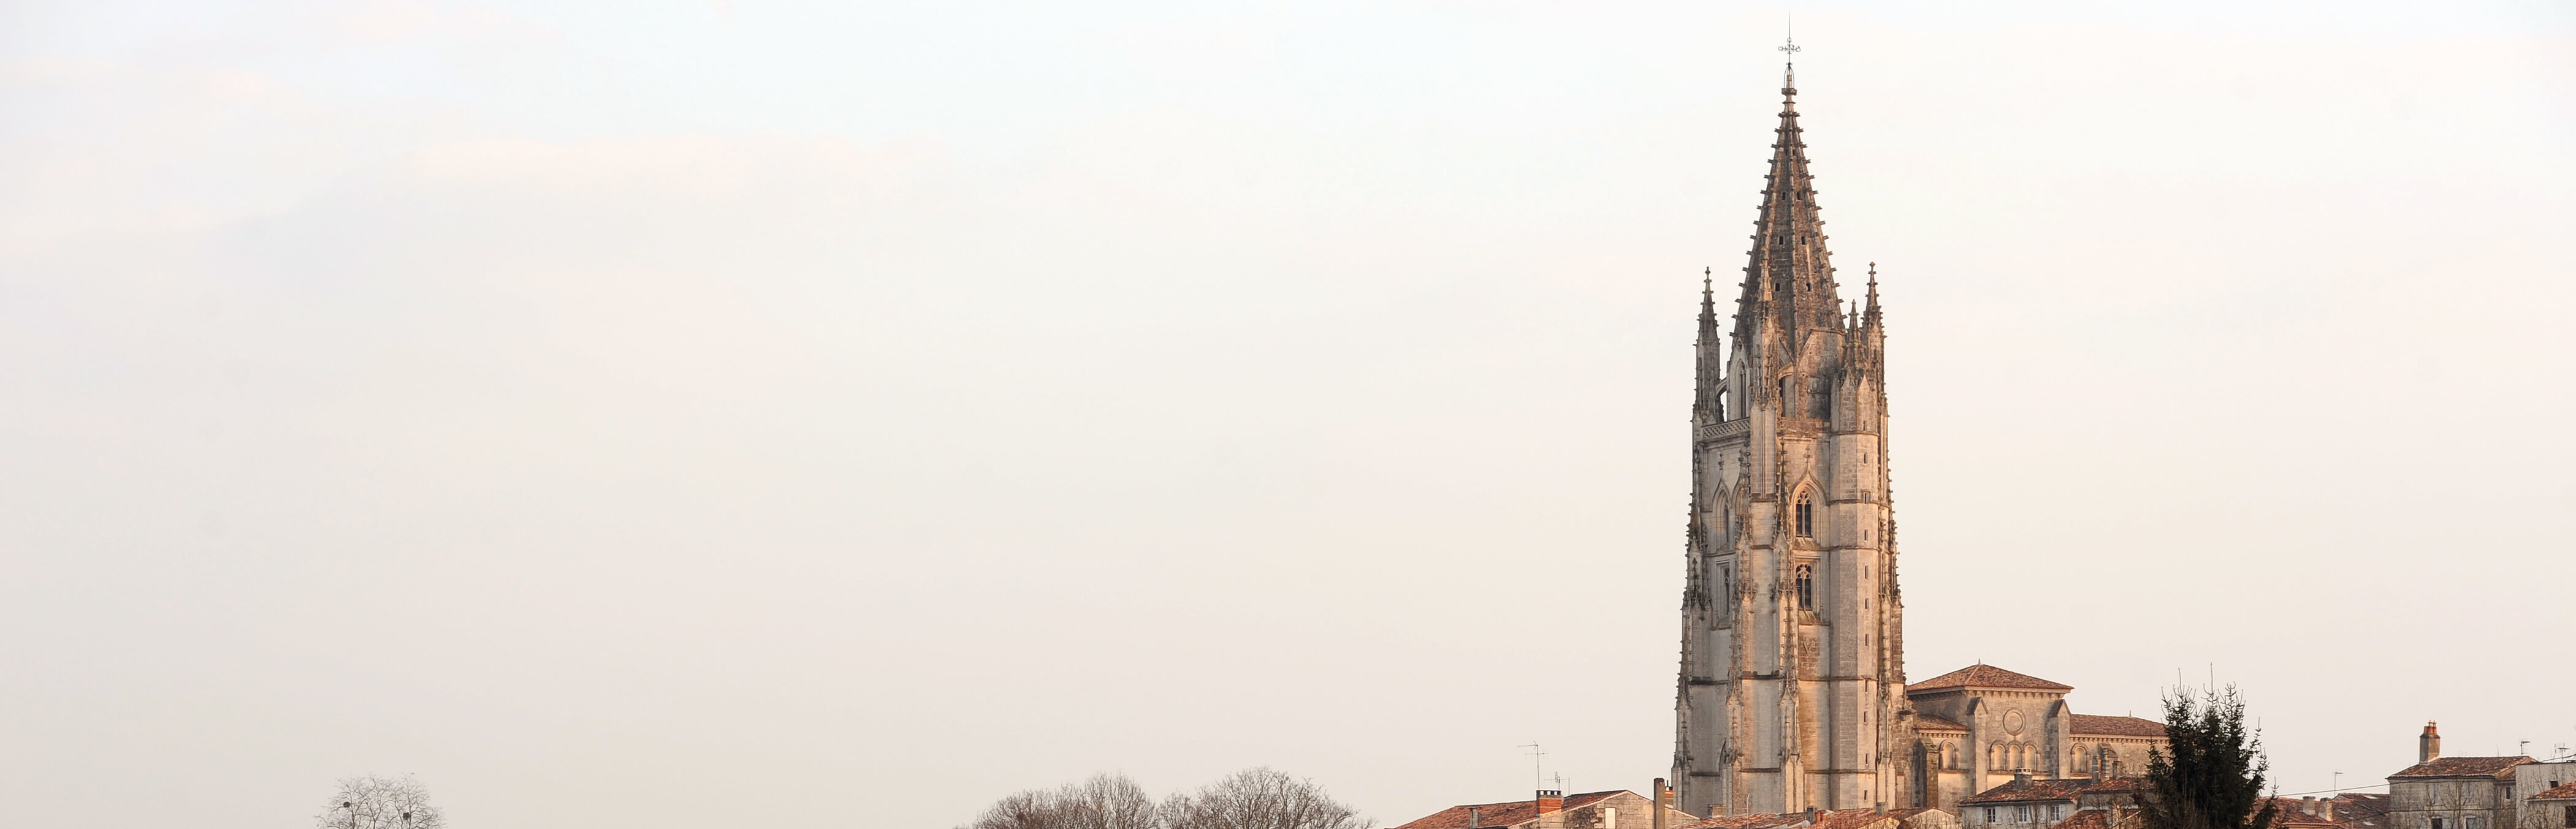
751 413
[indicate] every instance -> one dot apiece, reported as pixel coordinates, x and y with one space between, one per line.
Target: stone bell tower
1792 685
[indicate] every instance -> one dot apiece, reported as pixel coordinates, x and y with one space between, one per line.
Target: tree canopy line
371 802
1254 798
2214 776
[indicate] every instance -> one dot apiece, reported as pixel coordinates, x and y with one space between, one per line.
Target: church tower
1792 686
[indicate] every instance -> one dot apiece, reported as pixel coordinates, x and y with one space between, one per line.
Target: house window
2571 817
1806 516
1990 814
2057 812
2021 814
2437 823
1806 588
2470 822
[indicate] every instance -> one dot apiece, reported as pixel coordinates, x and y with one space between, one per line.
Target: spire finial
1790 48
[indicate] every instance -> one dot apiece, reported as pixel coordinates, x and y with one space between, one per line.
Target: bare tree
1259 798
372 802
1106 801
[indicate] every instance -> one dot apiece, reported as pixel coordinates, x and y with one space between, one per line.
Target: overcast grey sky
750 413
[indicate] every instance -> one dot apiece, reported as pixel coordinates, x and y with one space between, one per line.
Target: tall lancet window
1806 516
1806 588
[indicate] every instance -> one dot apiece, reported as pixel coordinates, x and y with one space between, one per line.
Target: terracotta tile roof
2363 810
2290 811
2565 791
1753 821
1501 814
1850 818
2096 819
2497 767
1986 676
2023 792
1923 721
2097 725
2115 785
1829 819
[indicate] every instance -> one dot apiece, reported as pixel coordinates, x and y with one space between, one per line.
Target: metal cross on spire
1791 47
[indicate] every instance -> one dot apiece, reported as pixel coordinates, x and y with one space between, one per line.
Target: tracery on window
1806 588
1806 516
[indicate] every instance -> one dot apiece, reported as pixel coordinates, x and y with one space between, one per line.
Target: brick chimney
2325 808
2428 748
1811 815
1663 796
1551 801
2021 780
1475 817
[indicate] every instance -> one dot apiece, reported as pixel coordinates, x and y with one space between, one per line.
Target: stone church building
1792 691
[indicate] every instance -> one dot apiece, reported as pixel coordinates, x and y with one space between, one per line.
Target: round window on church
2012 722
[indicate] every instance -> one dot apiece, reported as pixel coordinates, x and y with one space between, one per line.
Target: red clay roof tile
2019 791
2098 726
1501 814
1986 676
2096 819
2497 767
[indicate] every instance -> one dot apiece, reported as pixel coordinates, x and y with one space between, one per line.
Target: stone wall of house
2533 778
2455 802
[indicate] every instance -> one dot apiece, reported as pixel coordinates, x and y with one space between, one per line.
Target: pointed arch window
1806 588
1806 515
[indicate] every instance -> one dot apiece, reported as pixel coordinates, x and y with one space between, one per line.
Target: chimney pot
2428 748
1475 817
1551 801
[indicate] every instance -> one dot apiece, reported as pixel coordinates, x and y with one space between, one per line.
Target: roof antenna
1536 780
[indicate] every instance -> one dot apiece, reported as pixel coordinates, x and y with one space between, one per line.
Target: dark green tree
2213 778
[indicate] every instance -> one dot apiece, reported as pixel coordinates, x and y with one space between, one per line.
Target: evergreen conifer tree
2213 779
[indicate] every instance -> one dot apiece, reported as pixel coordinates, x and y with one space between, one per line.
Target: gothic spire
1869 316
1789 275
1712 356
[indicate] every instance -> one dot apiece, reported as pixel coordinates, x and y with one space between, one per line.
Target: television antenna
1536 779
